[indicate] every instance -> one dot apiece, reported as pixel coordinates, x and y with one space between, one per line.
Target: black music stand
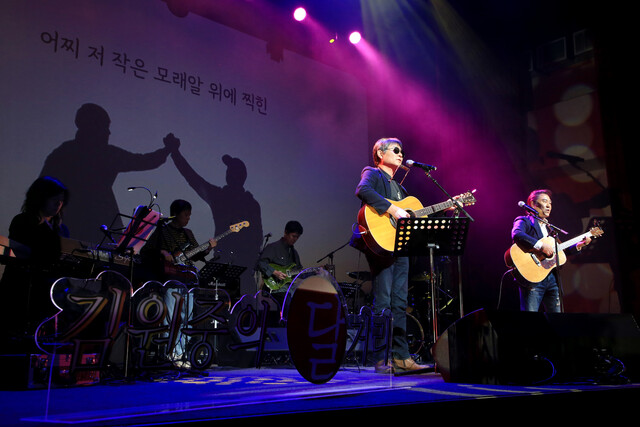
213 271
432 236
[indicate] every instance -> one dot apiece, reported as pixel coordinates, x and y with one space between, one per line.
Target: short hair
535 193
383 144
293 227
178 206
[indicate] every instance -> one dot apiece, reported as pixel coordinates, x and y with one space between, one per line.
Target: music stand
433 236
219 271
135 235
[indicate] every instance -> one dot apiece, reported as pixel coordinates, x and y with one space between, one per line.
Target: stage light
355 37
299 14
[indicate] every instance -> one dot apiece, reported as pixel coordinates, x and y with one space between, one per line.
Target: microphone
527 207
268 235
424 166
107 233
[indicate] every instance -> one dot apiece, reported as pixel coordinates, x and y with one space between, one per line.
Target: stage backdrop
261 140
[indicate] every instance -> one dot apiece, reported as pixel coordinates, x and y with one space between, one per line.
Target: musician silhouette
229 204
89 165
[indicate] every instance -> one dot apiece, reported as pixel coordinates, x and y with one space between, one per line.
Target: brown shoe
407 365
382 368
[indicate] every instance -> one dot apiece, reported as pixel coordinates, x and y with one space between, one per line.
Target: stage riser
498 347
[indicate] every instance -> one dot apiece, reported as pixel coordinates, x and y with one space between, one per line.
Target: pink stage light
299 14
355 37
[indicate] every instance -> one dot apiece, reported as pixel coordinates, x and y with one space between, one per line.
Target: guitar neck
205 246
428 210
577 239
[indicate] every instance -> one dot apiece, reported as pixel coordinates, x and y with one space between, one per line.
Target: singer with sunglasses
390 275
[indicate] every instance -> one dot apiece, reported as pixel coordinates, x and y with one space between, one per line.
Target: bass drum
315 314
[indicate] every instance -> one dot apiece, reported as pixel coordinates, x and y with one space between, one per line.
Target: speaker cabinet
503 347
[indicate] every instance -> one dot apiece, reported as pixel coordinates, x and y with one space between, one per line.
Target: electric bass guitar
274 284
185 257
533 265
380 229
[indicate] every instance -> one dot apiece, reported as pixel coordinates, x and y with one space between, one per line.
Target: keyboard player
26 282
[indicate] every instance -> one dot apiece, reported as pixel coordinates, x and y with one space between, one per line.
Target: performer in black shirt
172 239
280 256
25 286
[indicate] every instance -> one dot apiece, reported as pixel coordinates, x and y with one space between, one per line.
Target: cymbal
420 277
360 275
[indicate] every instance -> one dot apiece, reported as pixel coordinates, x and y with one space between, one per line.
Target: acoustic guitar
533 265
380 229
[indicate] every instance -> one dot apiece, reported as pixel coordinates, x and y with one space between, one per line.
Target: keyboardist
25 285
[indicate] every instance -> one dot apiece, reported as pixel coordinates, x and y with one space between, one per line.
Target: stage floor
240 396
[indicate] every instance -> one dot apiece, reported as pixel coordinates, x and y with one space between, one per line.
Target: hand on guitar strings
397 212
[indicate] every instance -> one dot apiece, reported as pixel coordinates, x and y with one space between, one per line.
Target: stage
277 394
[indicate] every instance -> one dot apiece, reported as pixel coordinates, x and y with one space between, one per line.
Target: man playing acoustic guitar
390 275
531 237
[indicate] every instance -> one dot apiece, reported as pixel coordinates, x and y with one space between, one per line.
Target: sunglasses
398 150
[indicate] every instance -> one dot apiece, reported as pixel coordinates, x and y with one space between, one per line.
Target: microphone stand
256 270
330 256
458 205
433 288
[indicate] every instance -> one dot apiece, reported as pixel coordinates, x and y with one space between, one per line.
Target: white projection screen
283 140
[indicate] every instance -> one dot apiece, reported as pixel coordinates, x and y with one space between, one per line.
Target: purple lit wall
420 74
303 119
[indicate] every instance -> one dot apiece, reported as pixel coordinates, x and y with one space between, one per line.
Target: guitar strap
394 190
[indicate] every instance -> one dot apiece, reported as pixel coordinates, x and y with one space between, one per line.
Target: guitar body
183 272
273 284
380 229
532 265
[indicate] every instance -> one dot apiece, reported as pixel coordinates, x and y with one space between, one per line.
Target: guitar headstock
466 199
239 226
596 232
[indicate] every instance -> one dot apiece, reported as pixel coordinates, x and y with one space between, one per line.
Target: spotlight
355 37
333 39
299 14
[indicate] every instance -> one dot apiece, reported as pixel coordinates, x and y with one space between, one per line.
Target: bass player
172 239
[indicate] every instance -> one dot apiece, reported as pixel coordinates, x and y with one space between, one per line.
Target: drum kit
358 293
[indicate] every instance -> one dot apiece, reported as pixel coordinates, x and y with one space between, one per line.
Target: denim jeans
390 289
545 293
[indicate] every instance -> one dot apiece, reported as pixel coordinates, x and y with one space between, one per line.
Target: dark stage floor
242 396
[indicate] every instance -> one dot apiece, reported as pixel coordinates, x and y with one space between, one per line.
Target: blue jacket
374 189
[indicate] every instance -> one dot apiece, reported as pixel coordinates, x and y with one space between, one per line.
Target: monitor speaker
504 347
